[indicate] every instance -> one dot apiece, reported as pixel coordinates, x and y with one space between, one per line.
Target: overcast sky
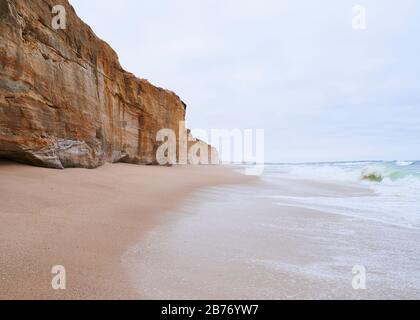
321 90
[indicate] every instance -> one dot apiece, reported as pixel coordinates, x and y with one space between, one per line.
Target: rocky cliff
65 100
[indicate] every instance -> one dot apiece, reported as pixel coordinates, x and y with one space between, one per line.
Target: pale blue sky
321 90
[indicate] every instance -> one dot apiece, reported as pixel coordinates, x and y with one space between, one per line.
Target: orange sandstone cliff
65 100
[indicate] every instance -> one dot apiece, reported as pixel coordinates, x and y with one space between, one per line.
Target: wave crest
372 176
404 163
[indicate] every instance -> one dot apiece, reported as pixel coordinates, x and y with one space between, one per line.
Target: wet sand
85 220
242 242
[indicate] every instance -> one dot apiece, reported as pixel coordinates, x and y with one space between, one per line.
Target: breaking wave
396 187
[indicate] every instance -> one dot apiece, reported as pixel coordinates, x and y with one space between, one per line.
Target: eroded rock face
65 101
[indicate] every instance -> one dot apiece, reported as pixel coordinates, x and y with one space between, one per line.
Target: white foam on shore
396 187
231 243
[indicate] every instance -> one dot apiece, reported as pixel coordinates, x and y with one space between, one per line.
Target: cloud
321 90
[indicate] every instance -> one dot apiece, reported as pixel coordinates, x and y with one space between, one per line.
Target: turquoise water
396 187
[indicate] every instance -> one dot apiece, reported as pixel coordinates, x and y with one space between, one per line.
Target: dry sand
85 220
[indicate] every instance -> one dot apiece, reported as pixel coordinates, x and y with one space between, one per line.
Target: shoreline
235 242
142 232
85 220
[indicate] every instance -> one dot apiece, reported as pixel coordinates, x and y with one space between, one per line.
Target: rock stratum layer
65 100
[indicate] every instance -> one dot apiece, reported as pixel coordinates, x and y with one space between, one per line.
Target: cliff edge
65 100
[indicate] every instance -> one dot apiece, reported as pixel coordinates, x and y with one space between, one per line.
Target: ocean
395 186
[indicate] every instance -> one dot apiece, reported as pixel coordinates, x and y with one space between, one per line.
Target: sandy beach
272 239
128 131
144 232
309 255
85 220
